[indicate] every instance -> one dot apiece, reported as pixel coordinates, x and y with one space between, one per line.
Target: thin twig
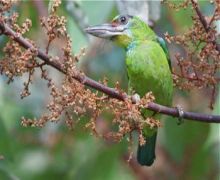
203 21
6 30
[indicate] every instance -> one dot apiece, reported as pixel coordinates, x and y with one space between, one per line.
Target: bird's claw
181 114
135 98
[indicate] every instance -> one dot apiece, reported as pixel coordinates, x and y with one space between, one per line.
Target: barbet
148 68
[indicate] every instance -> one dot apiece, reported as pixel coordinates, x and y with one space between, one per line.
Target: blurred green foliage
54 152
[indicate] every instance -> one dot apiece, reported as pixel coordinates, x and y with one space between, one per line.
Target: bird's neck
140 40
133 44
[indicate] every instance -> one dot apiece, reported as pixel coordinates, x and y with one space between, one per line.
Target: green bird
148 68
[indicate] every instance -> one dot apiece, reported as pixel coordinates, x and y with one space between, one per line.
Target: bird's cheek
121 40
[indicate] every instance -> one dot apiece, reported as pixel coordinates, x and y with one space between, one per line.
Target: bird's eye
123 20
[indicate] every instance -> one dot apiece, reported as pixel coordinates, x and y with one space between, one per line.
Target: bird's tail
146 153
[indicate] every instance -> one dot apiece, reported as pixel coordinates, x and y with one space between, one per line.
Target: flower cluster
199 67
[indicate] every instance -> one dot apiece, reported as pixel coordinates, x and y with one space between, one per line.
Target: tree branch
6 30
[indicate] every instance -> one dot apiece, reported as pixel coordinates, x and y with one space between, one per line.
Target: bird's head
123 30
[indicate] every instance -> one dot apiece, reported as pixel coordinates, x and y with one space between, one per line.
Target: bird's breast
148 70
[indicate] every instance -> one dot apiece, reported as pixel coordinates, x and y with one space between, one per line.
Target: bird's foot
181 114
135 98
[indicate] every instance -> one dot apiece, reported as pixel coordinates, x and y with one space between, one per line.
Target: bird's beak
105 30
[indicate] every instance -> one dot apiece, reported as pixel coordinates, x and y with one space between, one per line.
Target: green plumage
146 153
148 68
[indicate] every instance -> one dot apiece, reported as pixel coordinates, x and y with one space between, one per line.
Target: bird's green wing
163 45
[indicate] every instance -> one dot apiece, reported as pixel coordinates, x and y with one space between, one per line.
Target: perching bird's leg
135 98
181 114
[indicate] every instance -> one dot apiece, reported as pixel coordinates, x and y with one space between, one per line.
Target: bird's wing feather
163 45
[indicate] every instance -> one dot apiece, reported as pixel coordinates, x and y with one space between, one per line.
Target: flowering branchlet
71 100
199 67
